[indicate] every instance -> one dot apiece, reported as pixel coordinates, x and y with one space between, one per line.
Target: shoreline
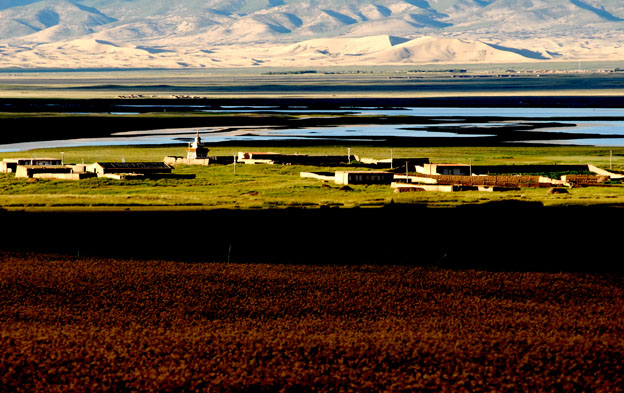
549 100
51 120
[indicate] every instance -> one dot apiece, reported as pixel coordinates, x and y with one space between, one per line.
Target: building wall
94 168
171 160
101 170
26 171
582 180
44 162
363 177
9 165
318 176
501 181
62 176
454 171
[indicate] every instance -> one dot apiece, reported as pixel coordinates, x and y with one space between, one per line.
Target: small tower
196 149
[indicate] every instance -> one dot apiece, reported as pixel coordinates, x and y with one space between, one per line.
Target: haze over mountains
304 33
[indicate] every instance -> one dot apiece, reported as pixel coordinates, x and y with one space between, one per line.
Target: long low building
290 159
177 160
363 177
352 177
114 170
444 169
104 168
511 181
392 162
405 187
9 165
28 171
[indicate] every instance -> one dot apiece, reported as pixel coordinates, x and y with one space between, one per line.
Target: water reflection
594 121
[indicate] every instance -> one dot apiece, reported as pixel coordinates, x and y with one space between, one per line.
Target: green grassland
280 186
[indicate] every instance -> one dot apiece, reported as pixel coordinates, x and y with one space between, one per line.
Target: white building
9 165
363 177
445 169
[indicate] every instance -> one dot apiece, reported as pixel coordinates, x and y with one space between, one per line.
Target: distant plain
556 79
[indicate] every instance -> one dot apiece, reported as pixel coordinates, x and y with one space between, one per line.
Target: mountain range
302 33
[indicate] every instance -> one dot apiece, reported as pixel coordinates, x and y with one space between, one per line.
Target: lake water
606 122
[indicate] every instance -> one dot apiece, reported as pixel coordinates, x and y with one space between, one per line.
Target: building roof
367 172
31 159
45 166
133 165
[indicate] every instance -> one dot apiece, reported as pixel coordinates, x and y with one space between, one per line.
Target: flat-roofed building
259 157
9 165
28 171
363 177
445 169
104 168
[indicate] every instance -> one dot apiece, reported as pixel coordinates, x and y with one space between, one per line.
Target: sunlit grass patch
280 186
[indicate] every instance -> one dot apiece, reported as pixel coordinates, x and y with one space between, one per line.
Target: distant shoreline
61 105
263 84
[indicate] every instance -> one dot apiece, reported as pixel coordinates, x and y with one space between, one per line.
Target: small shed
363 177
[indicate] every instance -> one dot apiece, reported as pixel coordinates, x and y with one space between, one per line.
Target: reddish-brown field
77 325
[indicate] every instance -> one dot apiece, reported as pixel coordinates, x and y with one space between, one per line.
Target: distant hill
220 33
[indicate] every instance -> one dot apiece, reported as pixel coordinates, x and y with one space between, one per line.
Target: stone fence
494 181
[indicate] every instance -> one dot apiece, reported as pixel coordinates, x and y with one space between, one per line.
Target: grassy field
499 155
277 186
86 324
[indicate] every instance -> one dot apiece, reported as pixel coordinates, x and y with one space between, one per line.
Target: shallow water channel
599 126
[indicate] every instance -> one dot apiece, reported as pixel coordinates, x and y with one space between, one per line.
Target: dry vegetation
71 324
